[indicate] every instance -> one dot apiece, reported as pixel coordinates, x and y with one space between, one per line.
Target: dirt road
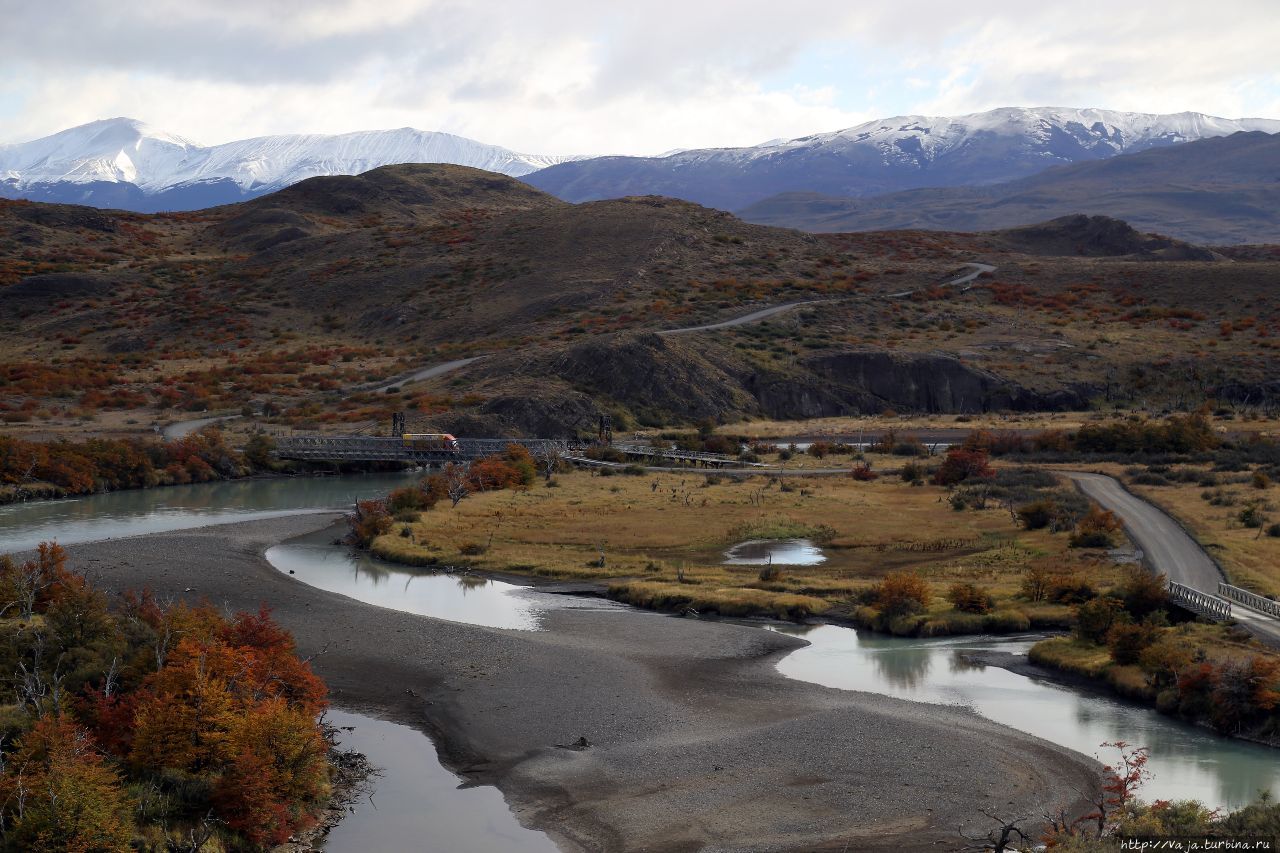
1168 548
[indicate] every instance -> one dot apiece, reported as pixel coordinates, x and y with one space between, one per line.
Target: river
1187 761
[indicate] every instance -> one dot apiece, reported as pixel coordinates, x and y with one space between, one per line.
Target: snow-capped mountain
125 163
888 155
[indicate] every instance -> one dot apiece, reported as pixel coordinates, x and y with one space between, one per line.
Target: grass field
659 540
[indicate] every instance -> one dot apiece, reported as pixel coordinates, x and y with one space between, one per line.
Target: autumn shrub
1142 592
60 793
208 719
103 464
1098 529
409 498
863 473
963 465
1252 516
969 598
1037 515
1096 617
369 521
902 594
1127 640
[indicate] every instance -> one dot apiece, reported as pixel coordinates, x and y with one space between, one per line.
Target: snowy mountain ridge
123 150
889 155
1121 132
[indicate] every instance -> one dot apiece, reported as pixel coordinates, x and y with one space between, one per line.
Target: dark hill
1216 191
1096 237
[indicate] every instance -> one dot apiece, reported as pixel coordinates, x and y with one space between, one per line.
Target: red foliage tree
964 464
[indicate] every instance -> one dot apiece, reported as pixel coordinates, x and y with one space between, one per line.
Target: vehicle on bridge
430 441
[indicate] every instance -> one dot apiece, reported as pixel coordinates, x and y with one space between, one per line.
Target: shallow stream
417 804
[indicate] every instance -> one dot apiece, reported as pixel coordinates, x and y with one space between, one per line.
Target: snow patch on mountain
123 150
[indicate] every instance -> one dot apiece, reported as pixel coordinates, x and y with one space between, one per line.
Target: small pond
777 552
416 804
316 561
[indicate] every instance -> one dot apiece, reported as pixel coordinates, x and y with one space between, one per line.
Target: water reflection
473 599
778 552
417 804
138 511
1188 762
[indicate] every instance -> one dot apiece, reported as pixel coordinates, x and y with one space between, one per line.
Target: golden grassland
905 425
658 540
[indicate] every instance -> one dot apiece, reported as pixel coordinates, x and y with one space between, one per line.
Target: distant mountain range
1217 191
988 170
889 155
125 163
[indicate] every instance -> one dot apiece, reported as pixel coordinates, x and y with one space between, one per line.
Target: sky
606 77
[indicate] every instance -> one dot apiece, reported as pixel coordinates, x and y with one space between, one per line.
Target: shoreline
8 499
697 742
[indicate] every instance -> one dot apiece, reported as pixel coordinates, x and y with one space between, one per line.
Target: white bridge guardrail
1250 600
1209 606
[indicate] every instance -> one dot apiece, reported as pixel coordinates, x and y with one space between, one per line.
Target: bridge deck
361 448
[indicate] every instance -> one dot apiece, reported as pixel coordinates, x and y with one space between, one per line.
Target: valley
902 418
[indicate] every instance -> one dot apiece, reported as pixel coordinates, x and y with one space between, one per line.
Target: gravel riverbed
696 742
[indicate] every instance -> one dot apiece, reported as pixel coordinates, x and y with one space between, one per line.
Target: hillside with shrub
301 308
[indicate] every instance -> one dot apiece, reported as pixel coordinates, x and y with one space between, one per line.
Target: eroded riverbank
696 741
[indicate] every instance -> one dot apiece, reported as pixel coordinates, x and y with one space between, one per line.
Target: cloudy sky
603 76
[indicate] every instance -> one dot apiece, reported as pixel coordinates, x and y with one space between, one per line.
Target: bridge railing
1249 599
489 446
393 449
1209 606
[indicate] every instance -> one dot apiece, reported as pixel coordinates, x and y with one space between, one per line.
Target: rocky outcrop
668 380
52 287
1098 236
677 379
871 380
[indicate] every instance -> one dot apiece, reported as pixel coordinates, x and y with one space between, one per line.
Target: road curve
181 429
1168 548
420 375
766 313
967 278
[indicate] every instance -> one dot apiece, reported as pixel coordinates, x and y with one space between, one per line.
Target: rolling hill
302 306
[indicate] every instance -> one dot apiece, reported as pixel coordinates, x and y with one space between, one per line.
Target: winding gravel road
766 313
181 429
425 373
966 279
1168 548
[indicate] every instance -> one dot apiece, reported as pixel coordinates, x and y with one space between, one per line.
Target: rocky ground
694 742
